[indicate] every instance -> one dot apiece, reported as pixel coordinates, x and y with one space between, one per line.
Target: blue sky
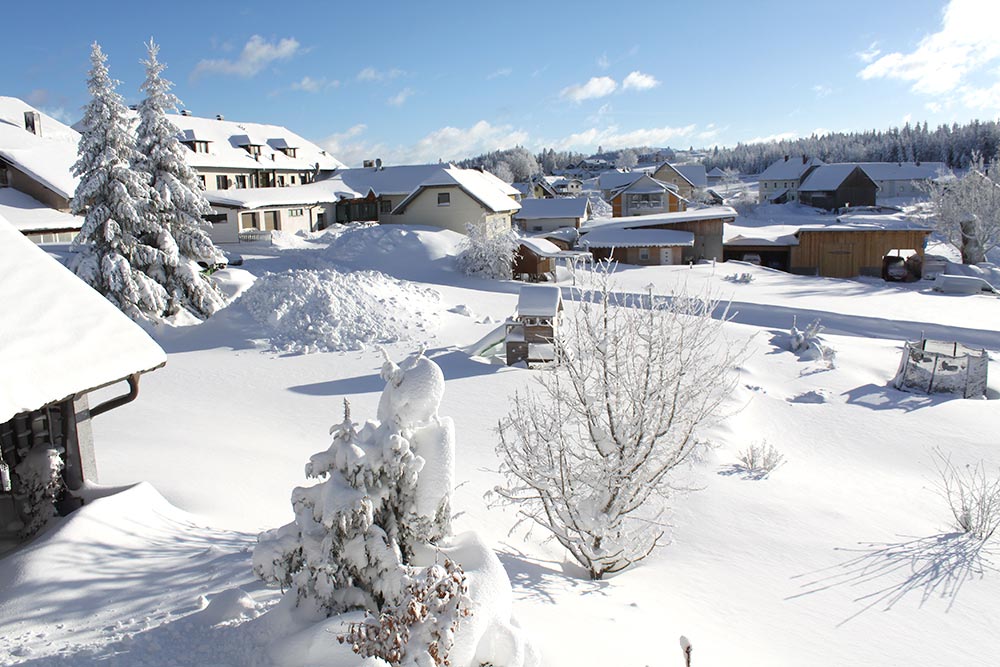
419 81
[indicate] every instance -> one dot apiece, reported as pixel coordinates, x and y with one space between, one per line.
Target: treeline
954 145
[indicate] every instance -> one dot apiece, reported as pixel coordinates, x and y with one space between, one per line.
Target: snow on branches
488 252
589 453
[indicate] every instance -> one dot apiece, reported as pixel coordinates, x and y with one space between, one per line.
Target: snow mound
417 253
232 604
304 311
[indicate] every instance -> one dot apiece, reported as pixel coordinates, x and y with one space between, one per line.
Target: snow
827 177
495 195
709 213
539 246
310 194
538 301
846 548
788 170
694 173
59 336
30 215
48 158
636 238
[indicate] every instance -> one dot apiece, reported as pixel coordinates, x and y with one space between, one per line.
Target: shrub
760 459
972 495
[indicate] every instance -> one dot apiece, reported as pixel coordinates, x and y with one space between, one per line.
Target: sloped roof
320 192
636 238
903 171
397 180
790 169
539 300
827 177
646 184
638 221
715 173
47 159
227 138
539 246
770 235
60 337
492 193
613 180
30 215
694 173
560 207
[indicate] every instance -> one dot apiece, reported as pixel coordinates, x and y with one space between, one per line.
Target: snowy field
843 555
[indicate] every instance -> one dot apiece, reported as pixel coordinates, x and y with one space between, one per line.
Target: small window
292 179
281 180
253 149
241 180
201 147
4 176
536 228
444 199
644 254
222 182
385 206
290 152
295 212
204 183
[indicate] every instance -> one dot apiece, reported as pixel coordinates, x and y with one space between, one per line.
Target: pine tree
123 252
177 197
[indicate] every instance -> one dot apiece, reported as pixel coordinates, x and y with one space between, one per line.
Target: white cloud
603 61
257 54
372 74
446 143
781 136
822 90
869 54
598 86
503 71
711 132
311 85
967 42
984 99
934 107
639 81
399 98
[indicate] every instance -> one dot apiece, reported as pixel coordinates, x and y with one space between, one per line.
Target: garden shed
532 332
939 367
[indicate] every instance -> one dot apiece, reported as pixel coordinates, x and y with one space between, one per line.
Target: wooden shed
833 186
535 259
532 332
844 251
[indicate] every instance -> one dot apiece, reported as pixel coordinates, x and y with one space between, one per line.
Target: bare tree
967 210
627 159
588 453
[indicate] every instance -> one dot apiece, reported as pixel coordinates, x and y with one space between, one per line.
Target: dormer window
290 152
200 146
253 149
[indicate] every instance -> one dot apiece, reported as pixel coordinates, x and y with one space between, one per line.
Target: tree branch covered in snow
488 252
967 210
589 453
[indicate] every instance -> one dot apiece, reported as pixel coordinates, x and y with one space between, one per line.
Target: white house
902 179
780 181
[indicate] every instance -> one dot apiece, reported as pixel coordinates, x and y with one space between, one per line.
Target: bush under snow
327 310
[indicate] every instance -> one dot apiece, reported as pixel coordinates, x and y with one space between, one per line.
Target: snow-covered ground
843 555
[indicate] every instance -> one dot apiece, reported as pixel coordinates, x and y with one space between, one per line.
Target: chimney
786 158
803 159
185 112
368 164
219 116
33 122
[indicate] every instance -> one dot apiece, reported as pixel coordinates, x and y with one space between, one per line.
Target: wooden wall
843 254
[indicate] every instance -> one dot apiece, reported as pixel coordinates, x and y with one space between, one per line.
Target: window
204 183
644 254
291 179
444 199
536 228
253 149
4 176
222 182
290 152
200 147
241 180
295 212
385 206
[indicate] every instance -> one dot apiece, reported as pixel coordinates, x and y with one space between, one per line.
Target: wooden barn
844 251
532 332
62 340
833 186
643 247
706 225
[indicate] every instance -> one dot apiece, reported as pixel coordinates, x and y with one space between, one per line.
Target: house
833 186
706 224
779 183
902 179
687 178
646 196
547 215
852 245
715 176
61 341
614 180
37 154
638 246
534 328
566 187
452 198
228 154
536 188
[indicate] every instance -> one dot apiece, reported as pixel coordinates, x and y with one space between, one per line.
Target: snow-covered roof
320 192
646 184
227 138
560 207
491 192
397 180
694 173
612 180
770 235
827 177
47 159
636 238
539 301
59 336
903 171
30 215
777 194
790 169
539 246
715 173
709 213
871 222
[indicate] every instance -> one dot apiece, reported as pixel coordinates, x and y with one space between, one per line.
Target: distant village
261 178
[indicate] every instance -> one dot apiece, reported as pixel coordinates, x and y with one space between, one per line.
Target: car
751 258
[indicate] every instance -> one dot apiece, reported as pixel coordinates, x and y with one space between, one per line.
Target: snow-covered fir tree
177 197
123 252
385 491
